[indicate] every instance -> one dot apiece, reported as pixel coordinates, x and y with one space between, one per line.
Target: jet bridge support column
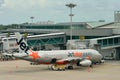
97 47
118 53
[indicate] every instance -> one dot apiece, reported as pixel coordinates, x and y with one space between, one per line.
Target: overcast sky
20 11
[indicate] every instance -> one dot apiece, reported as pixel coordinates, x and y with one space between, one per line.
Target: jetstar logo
34 54
80 54
75 54
22 45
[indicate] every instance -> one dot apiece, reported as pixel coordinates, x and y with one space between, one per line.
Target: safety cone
89 69
16 66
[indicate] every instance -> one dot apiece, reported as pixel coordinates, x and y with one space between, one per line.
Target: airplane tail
23 46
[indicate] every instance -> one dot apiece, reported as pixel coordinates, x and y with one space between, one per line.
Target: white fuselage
47 56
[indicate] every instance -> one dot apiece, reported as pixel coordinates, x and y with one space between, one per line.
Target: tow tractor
57 67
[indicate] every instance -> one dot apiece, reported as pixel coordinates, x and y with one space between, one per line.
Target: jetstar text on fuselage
79 54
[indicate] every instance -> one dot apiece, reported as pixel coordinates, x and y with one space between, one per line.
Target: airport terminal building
101 35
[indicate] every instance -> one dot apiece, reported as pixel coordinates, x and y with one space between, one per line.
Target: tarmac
22 70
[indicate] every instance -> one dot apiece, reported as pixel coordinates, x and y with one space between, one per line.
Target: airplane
59 59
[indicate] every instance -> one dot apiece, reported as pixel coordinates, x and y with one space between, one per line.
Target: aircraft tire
70 67
91 65
53 67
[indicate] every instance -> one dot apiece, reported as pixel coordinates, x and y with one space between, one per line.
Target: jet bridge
110 46
53 38
107 42
59 39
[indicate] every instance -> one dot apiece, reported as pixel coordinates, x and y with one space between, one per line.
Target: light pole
71 5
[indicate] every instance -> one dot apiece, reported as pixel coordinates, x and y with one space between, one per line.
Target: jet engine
84 63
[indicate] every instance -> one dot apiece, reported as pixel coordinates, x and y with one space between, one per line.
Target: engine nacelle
84 63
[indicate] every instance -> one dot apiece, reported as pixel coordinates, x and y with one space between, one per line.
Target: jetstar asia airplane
60 59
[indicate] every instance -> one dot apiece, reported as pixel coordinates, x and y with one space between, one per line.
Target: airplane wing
71 59
15 54
79 61
74 59
6 54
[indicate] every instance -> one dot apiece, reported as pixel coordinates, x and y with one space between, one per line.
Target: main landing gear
70 67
